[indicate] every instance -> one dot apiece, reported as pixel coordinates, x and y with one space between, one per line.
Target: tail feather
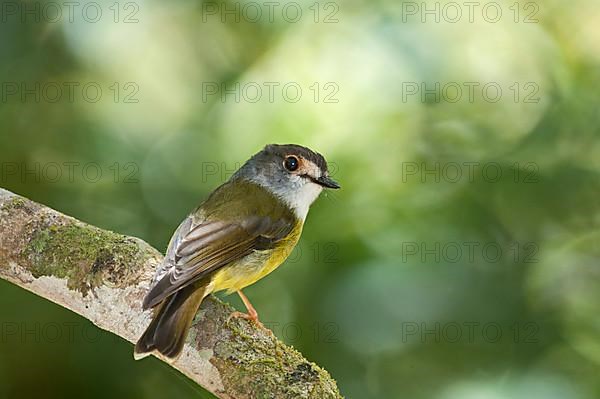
172 319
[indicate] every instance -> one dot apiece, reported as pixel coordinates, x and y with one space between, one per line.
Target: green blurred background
460 259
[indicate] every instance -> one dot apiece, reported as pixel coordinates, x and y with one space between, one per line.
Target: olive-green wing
197 250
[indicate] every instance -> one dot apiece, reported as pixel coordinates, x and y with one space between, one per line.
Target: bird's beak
328 182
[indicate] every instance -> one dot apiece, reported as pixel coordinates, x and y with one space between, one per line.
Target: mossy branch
103 276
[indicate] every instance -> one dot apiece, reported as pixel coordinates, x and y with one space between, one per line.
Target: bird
243 231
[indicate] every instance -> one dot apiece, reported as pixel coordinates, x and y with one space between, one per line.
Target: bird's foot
250 316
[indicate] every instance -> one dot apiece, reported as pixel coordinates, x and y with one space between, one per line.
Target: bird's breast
257 265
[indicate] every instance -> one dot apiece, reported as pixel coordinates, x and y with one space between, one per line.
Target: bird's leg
252 315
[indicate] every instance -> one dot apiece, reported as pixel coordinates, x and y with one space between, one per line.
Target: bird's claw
250 317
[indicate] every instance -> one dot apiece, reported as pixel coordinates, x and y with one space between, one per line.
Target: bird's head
295 174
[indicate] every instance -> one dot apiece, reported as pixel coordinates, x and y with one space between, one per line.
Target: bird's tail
172 319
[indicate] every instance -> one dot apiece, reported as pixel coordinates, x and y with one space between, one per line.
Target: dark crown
282 150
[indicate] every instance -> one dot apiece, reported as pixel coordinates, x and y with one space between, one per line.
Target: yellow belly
255 266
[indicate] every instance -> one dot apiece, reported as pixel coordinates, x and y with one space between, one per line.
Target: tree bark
103 276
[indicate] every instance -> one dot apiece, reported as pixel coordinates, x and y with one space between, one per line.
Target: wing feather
199 249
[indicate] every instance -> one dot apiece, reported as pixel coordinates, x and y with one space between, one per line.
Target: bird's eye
291 163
